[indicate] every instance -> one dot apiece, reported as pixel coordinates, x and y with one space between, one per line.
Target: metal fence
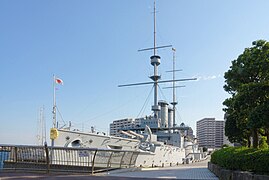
48 159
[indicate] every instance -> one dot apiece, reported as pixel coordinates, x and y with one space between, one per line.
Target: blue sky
92 45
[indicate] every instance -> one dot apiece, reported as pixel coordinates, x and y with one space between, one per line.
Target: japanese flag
59 81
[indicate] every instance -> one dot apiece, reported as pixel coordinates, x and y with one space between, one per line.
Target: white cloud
207 78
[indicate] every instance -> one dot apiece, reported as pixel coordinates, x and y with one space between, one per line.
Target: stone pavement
196 170
187 171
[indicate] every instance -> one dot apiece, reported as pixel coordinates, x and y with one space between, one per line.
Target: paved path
189 171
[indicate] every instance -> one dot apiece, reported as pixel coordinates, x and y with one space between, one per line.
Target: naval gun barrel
126 133
135 134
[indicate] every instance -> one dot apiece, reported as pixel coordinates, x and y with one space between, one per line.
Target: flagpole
54 131
54 103
53 112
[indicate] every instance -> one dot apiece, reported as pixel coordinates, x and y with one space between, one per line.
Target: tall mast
174 103
155 62
154 32
41 136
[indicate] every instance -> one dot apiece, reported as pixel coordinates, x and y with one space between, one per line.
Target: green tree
247 81
236 131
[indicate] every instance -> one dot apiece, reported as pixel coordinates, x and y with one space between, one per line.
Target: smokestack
164 113
170 117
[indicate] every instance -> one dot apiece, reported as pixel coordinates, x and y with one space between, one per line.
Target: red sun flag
59 81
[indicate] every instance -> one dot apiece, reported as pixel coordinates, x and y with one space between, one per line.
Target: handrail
48 159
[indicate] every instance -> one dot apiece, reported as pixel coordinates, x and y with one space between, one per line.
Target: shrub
242 158
263 144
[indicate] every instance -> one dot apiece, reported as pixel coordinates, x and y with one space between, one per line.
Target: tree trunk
249 142
255 138
267 135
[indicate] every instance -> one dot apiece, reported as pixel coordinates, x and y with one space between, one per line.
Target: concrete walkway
188 171
196 170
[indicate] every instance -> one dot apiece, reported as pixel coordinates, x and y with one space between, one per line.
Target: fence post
137 153
131 160
16 156
93 161
122 159
47 157
109 159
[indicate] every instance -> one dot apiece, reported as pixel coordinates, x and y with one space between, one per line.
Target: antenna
154 27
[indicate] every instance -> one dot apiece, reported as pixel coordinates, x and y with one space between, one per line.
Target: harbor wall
226 174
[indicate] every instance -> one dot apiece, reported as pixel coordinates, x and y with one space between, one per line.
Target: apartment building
210 132
126 123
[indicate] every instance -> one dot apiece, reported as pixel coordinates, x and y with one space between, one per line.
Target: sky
92 45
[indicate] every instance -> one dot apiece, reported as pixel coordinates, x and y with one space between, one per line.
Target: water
4 155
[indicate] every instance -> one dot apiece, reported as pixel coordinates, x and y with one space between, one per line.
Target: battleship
156 137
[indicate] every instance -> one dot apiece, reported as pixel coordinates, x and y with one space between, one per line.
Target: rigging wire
112 110
162 93
39 127
106 113
179 117
145 103
76 123
61 117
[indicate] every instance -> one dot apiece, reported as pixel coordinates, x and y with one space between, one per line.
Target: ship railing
64 159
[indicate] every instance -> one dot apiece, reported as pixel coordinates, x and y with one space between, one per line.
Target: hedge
243 159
